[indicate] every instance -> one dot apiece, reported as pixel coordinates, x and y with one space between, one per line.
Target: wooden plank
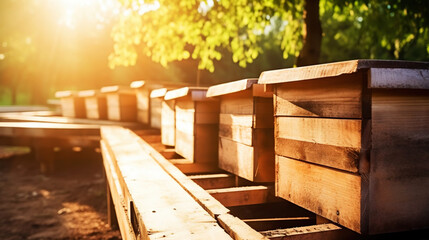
335 97
237 133
96 107
332 69
236 158
116 191
206 143
121 107
143 105
231 87
399 170
173 214
330 142
17 109
244 120
240 196
315 232
37 129
399 78
213 181
331 193
237 228
158 93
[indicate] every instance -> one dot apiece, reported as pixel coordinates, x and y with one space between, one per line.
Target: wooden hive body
168 122
121 103
95 103
71 104
196 124
352 142
246 136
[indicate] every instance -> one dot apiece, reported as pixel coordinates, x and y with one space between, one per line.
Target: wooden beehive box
156 99
142 91
196 124
95 104
246 135
352 142
71 104
168 122
121 103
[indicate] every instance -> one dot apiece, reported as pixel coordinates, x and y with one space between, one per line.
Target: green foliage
170 30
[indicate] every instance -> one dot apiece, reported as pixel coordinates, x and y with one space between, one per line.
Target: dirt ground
70 204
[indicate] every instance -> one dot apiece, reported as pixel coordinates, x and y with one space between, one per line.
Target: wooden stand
196 130
95 103
121 103
71 104
246 135
352 142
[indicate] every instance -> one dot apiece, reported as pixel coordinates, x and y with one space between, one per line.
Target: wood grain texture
240 196
238 229
330 193
173 213
314 232
399 169
236 158
332 69
335 132
335 97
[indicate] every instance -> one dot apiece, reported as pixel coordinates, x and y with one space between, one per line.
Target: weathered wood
172 213
333 69
330 142
239 196
188 167
328 192
399 78
213 181
338 97
399 167
237 228
321 231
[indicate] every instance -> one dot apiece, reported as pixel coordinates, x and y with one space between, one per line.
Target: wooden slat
330 142
37 129
236 158
195 93
143 105
332 69
15 117
213 181
161 207
337 97
330 193
315 232
239 196
189 167
238 229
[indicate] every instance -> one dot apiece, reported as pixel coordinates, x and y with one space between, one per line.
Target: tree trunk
312 36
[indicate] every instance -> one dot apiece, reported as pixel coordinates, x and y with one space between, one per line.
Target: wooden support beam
213 181
170 153
315 232
189 167
156 206
239 196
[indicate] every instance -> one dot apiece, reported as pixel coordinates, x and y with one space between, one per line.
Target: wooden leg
111 214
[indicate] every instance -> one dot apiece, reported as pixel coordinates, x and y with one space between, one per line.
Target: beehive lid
196 93
117 89
87 93
158 93
231 87
384 73
63 94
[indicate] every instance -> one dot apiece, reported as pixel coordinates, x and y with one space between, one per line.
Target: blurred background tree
83 44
